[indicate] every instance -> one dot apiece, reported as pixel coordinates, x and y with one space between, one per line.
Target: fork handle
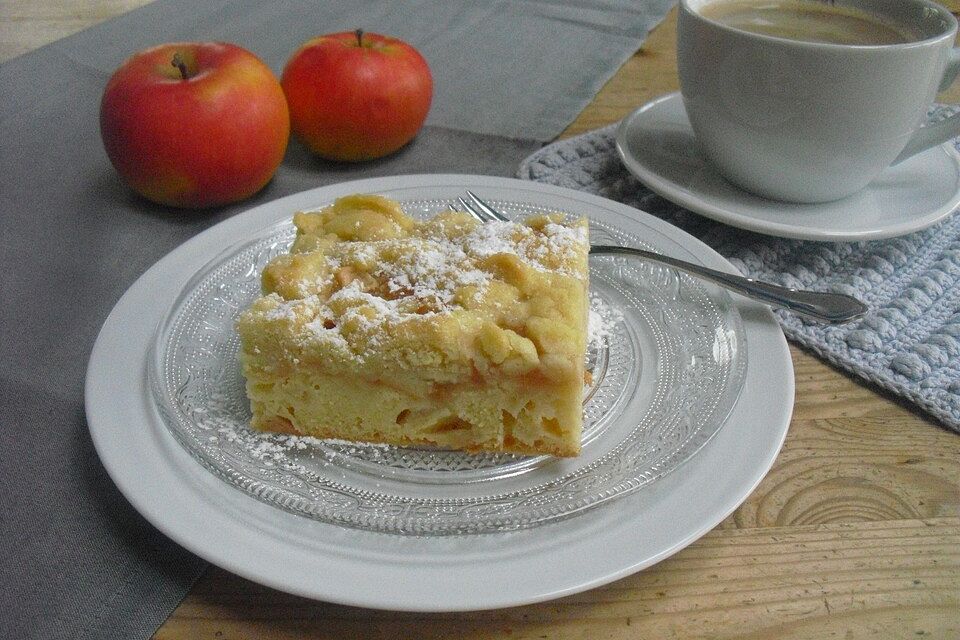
833 308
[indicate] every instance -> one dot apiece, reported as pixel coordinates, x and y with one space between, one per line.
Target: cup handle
938 132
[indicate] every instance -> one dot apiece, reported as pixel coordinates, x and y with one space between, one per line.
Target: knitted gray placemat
909 343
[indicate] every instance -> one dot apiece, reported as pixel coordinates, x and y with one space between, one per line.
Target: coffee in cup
808 21
810 100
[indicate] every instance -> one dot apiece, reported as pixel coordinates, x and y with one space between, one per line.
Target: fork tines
480 209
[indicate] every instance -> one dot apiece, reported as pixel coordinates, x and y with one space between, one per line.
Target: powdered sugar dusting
550 248
363 287
602 320
282 450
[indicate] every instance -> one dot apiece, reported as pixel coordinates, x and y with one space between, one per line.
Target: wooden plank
26 25
857 470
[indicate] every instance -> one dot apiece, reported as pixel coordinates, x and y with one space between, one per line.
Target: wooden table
854 533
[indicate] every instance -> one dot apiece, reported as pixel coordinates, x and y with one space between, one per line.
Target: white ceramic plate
662 383
461 572
657 144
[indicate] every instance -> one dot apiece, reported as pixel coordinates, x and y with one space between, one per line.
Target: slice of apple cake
446 332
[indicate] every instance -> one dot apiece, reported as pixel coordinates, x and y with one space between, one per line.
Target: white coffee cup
811 122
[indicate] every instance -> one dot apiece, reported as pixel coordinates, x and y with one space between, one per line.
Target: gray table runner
78 561
909 343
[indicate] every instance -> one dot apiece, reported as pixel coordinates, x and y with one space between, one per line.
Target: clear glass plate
665 377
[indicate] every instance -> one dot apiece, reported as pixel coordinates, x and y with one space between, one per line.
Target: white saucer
657 145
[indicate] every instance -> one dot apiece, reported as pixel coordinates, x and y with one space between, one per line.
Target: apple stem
359 33
179 64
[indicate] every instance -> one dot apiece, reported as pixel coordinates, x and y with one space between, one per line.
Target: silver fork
822 306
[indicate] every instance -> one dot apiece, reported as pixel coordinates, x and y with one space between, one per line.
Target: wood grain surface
855 532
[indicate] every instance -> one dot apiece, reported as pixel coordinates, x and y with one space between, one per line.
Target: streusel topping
361 274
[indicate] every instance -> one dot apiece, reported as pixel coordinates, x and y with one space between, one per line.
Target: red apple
195 124
355 95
